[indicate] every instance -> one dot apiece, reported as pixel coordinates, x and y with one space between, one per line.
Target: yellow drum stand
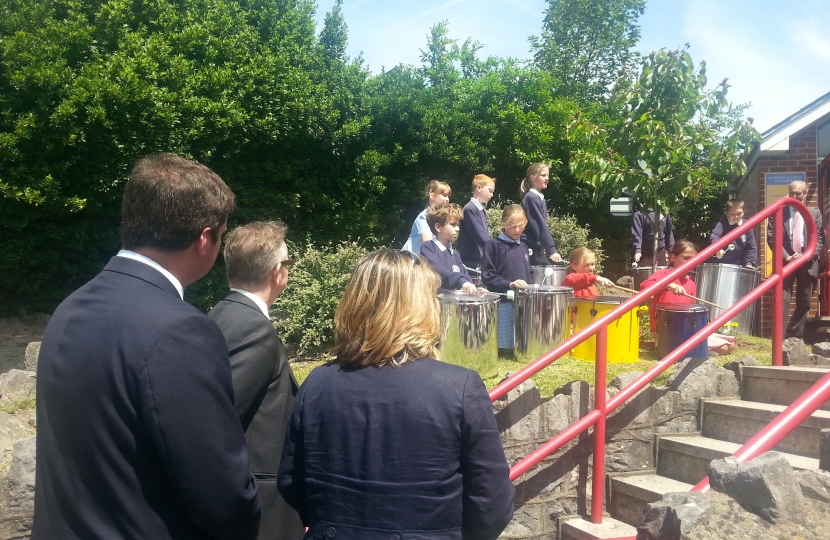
623 334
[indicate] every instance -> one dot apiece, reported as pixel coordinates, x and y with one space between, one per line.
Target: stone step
609 529
687 457
628 495
781 385
738 421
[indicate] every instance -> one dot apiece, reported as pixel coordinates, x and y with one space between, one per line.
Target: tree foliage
586 43
669 139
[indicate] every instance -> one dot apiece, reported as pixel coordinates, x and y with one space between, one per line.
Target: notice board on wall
777 187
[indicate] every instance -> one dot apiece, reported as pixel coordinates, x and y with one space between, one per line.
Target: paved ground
15 334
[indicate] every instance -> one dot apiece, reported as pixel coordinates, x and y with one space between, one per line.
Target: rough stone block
527 519
818 360
822 349
727 385
795 352
14 427
581 395
32 354
765 486
633 454
557 415
626 281
673 517
17 385
22 476
694 378
811 486
624 379
519 413
736 366
824 450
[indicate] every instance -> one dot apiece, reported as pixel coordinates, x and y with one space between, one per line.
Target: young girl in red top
581 277
679 291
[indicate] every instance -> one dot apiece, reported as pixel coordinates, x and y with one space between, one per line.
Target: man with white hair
796 236
256 259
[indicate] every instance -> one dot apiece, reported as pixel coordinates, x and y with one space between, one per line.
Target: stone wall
560 487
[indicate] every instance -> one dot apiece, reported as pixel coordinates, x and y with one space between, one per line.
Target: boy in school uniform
443 221
474 232
743 251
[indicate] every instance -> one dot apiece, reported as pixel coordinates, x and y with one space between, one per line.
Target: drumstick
701 300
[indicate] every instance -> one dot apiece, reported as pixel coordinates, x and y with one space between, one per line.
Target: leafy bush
567 234
305 310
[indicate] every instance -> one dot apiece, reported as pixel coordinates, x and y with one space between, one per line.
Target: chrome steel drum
725 284
542 319
469 325
548 274
676 323
643 273
476 280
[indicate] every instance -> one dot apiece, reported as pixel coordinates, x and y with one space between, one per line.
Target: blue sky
776 54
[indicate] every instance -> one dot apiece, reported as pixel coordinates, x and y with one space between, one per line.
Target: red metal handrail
597 417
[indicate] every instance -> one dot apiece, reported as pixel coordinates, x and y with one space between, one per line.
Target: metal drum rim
599 299
687 308
738 267
535 288
467 298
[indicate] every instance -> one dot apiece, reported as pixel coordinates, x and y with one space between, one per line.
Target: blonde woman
437 192
385 441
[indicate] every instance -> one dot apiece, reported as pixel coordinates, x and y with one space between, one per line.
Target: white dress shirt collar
441 246
127 254
255 299
539 193
478 204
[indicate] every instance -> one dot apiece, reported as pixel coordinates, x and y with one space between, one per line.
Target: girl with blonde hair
581 277
437 192
385 438
537 234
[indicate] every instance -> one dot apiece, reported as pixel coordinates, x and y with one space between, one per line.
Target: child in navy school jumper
507 266
537 235
443 221
437 193
474 232
745 251
581 277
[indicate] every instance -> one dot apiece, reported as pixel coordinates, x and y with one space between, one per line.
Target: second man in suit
257 263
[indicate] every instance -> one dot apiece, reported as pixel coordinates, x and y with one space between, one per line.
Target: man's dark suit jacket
264 387
137 434
812 269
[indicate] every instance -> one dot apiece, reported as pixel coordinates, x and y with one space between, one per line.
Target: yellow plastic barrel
623 334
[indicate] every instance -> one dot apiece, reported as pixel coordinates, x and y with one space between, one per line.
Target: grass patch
25 404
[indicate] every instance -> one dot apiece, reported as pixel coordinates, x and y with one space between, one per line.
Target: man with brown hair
137 433
256 259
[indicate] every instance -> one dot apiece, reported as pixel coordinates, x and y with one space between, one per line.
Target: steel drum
542 319
623 334
678 322
643 273
548 274
469 323
724 285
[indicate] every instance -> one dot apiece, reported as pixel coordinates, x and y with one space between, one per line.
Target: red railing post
598 475
778 292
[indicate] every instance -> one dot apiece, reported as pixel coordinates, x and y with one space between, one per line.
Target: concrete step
629 495
738 421
781 385
609 529
686 457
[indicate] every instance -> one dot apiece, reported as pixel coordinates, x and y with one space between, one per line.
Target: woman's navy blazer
409 452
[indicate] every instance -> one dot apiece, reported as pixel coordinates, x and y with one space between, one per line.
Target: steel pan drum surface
542 319
469 324
724 285
548 274
623 334
676 323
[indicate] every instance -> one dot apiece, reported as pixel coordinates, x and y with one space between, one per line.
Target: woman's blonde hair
513 214
533 170
439 187
581 256
389 312
481 180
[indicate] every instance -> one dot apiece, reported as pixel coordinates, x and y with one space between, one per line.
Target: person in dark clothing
386 442
642 238
537 234
742 251
257 264
474 232
443 221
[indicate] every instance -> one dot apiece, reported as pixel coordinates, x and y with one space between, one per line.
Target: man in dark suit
264 386
137 433
642 238
795 239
